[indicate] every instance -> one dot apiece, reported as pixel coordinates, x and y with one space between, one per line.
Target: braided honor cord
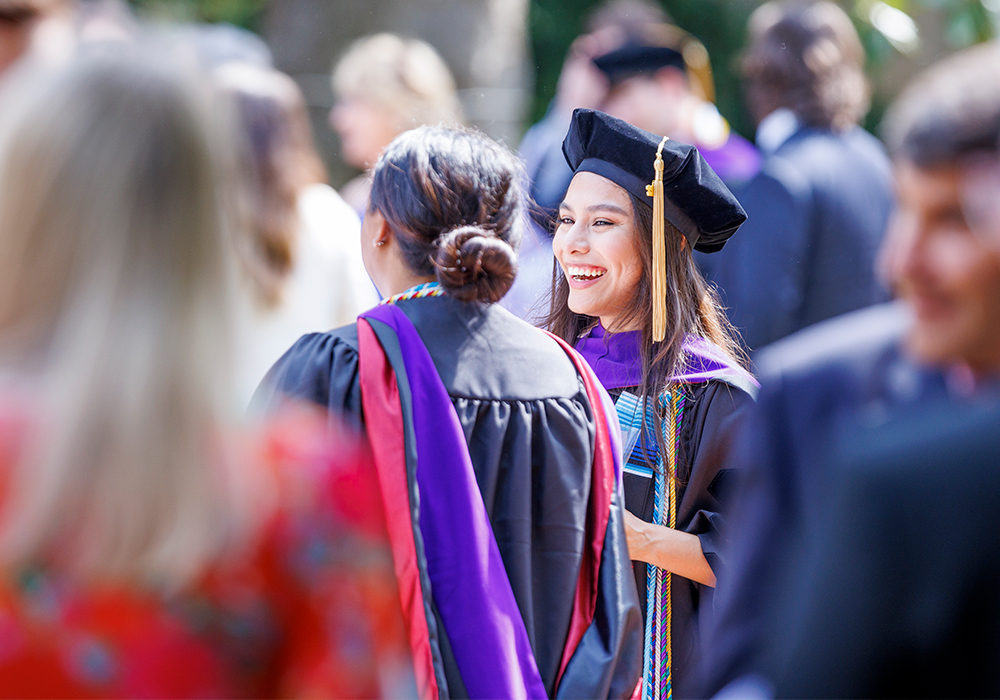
658 656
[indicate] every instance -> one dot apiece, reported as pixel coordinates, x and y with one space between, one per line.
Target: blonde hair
276 160
406 77
113 306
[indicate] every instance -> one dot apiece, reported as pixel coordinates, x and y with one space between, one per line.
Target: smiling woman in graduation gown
498 459
629 295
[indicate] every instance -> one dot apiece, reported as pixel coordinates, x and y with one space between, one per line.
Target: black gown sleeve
714 413
321 368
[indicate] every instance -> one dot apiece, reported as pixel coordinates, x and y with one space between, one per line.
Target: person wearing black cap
632 64
629 295
661 80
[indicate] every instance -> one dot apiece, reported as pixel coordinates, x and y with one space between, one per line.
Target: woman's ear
684 242
382 232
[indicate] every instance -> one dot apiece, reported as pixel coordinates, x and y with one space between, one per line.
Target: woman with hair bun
493 441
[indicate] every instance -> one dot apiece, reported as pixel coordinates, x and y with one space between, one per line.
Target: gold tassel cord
674 418
659 281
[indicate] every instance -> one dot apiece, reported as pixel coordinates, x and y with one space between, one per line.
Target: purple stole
617 361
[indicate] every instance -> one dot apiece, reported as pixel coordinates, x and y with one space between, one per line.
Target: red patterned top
310 610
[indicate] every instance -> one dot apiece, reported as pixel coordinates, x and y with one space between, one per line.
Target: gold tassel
659 280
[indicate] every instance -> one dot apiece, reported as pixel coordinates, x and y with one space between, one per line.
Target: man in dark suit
877 381
819 206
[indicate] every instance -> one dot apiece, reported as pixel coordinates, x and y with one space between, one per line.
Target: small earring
380 243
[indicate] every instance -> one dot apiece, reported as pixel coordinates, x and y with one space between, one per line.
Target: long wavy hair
694 309
276 161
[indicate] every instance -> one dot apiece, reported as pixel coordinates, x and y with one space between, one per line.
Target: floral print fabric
308 609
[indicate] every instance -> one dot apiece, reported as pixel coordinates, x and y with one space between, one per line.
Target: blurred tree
903 37
242 13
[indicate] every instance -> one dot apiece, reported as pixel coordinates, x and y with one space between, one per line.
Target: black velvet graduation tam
637 58
658 46
695 200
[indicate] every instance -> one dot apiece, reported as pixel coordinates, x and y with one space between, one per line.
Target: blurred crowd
259 437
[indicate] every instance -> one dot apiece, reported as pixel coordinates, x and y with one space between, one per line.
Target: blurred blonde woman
385 85
297 243
147 547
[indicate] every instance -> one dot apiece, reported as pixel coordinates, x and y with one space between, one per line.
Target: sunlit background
506 54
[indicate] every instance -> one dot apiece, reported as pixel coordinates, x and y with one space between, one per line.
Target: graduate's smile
582 276
595 244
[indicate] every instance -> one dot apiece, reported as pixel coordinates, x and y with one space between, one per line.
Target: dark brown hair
276 160
453 200
948 112
694 309
807 57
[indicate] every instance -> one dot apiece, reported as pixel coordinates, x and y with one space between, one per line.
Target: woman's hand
672 550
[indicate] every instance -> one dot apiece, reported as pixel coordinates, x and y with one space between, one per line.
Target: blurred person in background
383 86
100 21
818 208
581 86
660 80
222 43
18 21
296 242
40 28
666 355
915 600
494 442
893 604
150 547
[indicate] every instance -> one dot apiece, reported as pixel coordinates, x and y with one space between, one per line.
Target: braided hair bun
472 264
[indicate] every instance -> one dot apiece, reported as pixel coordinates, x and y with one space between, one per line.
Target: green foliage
552 26
965 22
242 13
719 24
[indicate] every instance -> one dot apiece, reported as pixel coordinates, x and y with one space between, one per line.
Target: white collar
776 128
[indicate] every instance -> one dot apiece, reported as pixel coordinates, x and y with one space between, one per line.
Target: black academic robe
819 388
530 432
713 411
